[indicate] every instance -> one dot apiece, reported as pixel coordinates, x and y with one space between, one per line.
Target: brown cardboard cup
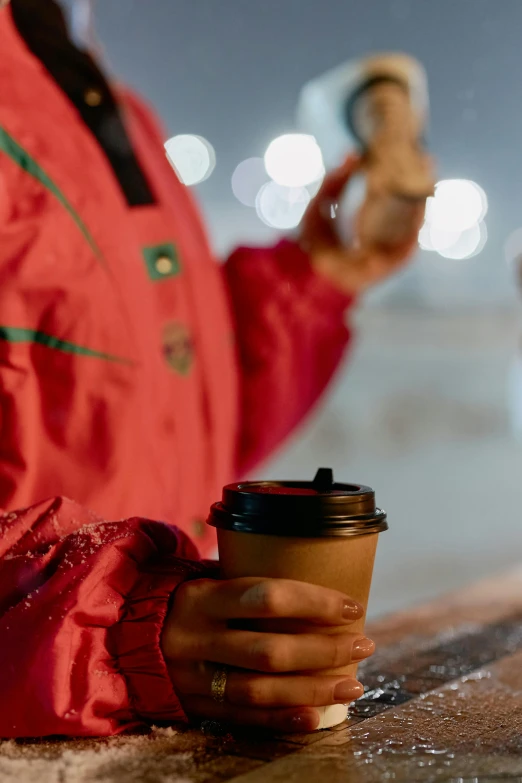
322 533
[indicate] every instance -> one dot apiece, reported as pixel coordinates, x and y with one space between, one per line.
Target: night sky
231 70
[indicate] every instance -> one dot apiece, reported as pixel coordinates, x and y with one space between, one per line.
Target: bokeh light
435 239
294 160
281 207
453 225
457 245
468 244
192 157
458 204
247 180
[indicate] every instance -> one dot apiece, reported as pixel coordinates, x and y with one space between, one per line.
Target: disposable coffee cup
319 532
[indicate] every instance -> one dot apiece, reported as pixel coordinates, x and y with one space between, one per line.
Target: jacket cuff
295 263
137 641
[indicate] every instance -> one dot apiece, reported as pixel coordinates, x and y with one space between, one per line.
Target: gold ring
219 684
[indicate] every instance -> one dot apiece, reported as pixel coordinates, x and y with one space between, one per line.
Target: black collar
42 25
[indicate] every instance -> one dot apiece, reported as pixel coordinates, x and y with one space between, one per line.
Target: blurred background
420 411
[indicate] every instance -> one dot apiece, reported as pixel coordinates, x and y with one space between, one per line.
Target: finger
277 720
253 598
266 652
250 689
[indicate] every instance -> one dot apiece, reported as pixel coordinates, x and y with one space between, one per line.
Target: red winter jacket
137 376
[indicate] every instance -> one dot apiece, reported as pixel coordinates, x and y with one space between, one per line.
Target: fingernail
352 610
362 648
305 721
348 691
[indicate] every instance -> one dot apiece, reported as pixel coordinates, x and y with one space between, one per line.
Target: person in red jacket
138 376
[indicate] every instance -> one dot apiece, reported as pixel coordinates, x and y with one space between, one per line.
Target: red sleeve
291 334
82 603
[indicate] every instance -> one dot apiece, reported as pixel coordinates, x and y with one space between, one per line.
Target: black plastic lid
304 509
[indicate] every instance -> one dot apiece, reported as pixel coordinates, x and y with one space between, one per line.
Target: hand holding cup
225 669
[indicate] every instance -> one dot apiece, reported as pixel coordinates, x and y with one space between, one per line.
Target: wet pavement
443 702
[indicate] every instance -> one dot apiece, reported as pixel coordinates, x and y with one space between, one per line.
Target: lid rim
299 509
310 527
